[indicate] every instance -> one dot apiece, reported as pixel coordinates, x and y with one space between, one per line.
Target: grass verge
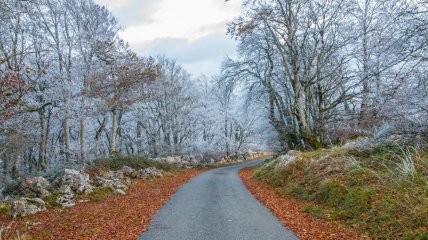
381 191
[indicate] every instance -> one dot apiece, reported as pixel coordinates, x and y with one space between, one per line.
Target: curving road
216 206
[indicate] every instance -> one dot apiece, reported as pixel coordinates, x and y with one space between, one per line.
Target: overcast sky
191 31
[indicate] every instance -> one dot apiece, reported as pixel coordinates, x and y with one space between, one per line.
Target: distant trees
326 64
236 127
119 86
165 120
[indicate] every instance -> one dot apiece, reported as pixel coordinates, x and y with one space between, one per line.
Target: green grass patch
314 210
51 200
5 208
98 195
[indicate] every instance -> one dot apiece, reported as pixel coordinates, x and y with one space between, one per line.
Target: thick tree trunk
309 140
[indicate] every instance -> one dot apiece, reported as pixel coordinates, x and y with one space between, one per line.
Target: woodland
308 75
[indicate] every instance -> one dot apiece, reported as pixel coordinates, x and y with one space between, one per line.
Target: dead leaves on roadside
117 217
288 211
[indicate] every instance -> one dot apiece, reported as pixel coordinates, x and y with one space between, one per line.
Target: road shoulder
289 212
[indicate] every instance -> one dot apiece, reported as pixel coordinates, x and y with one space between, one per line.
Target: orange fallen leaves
288 211
117 217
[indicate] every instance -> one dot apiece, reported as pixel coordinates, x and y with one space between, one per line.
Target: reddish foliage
117 217
288 211
12 89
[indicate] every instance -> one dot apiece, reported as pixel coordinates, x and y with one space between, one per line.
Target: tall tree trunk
67 139
366 88
16 175
98 136
42 141
226 134
48 127
113 151
5 169
82 140
309 140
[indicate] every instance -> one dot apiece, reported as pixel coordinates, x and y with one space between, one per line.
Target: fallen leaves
117 217
288 211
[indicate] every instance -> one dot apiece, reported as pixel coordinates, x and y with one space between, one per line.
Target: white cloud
183 19
113 4
154 24
202 56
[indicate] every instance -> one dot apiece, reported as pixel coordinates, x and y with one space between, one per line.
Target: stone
150 172
186 158
248 155
37 186
194 162
171 160
290 157
124 172
119 192
66 200
65 189
77 180
113 183
114 174
127 181
27 206
128 172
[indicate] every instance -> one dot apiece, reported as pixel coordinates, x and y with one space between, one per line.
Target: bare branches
314 60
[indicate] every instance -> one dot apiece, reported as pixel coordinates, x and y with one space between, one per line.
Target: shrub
11 187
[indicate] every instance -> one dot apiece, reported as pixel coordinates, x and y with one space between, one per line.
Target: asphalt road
216 206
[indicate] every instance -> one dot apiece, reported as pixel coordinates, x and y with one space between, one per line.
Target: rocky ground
63 187
111 217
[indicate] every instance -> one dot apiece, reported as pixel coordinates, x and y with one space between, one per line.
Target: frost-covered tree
328 70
